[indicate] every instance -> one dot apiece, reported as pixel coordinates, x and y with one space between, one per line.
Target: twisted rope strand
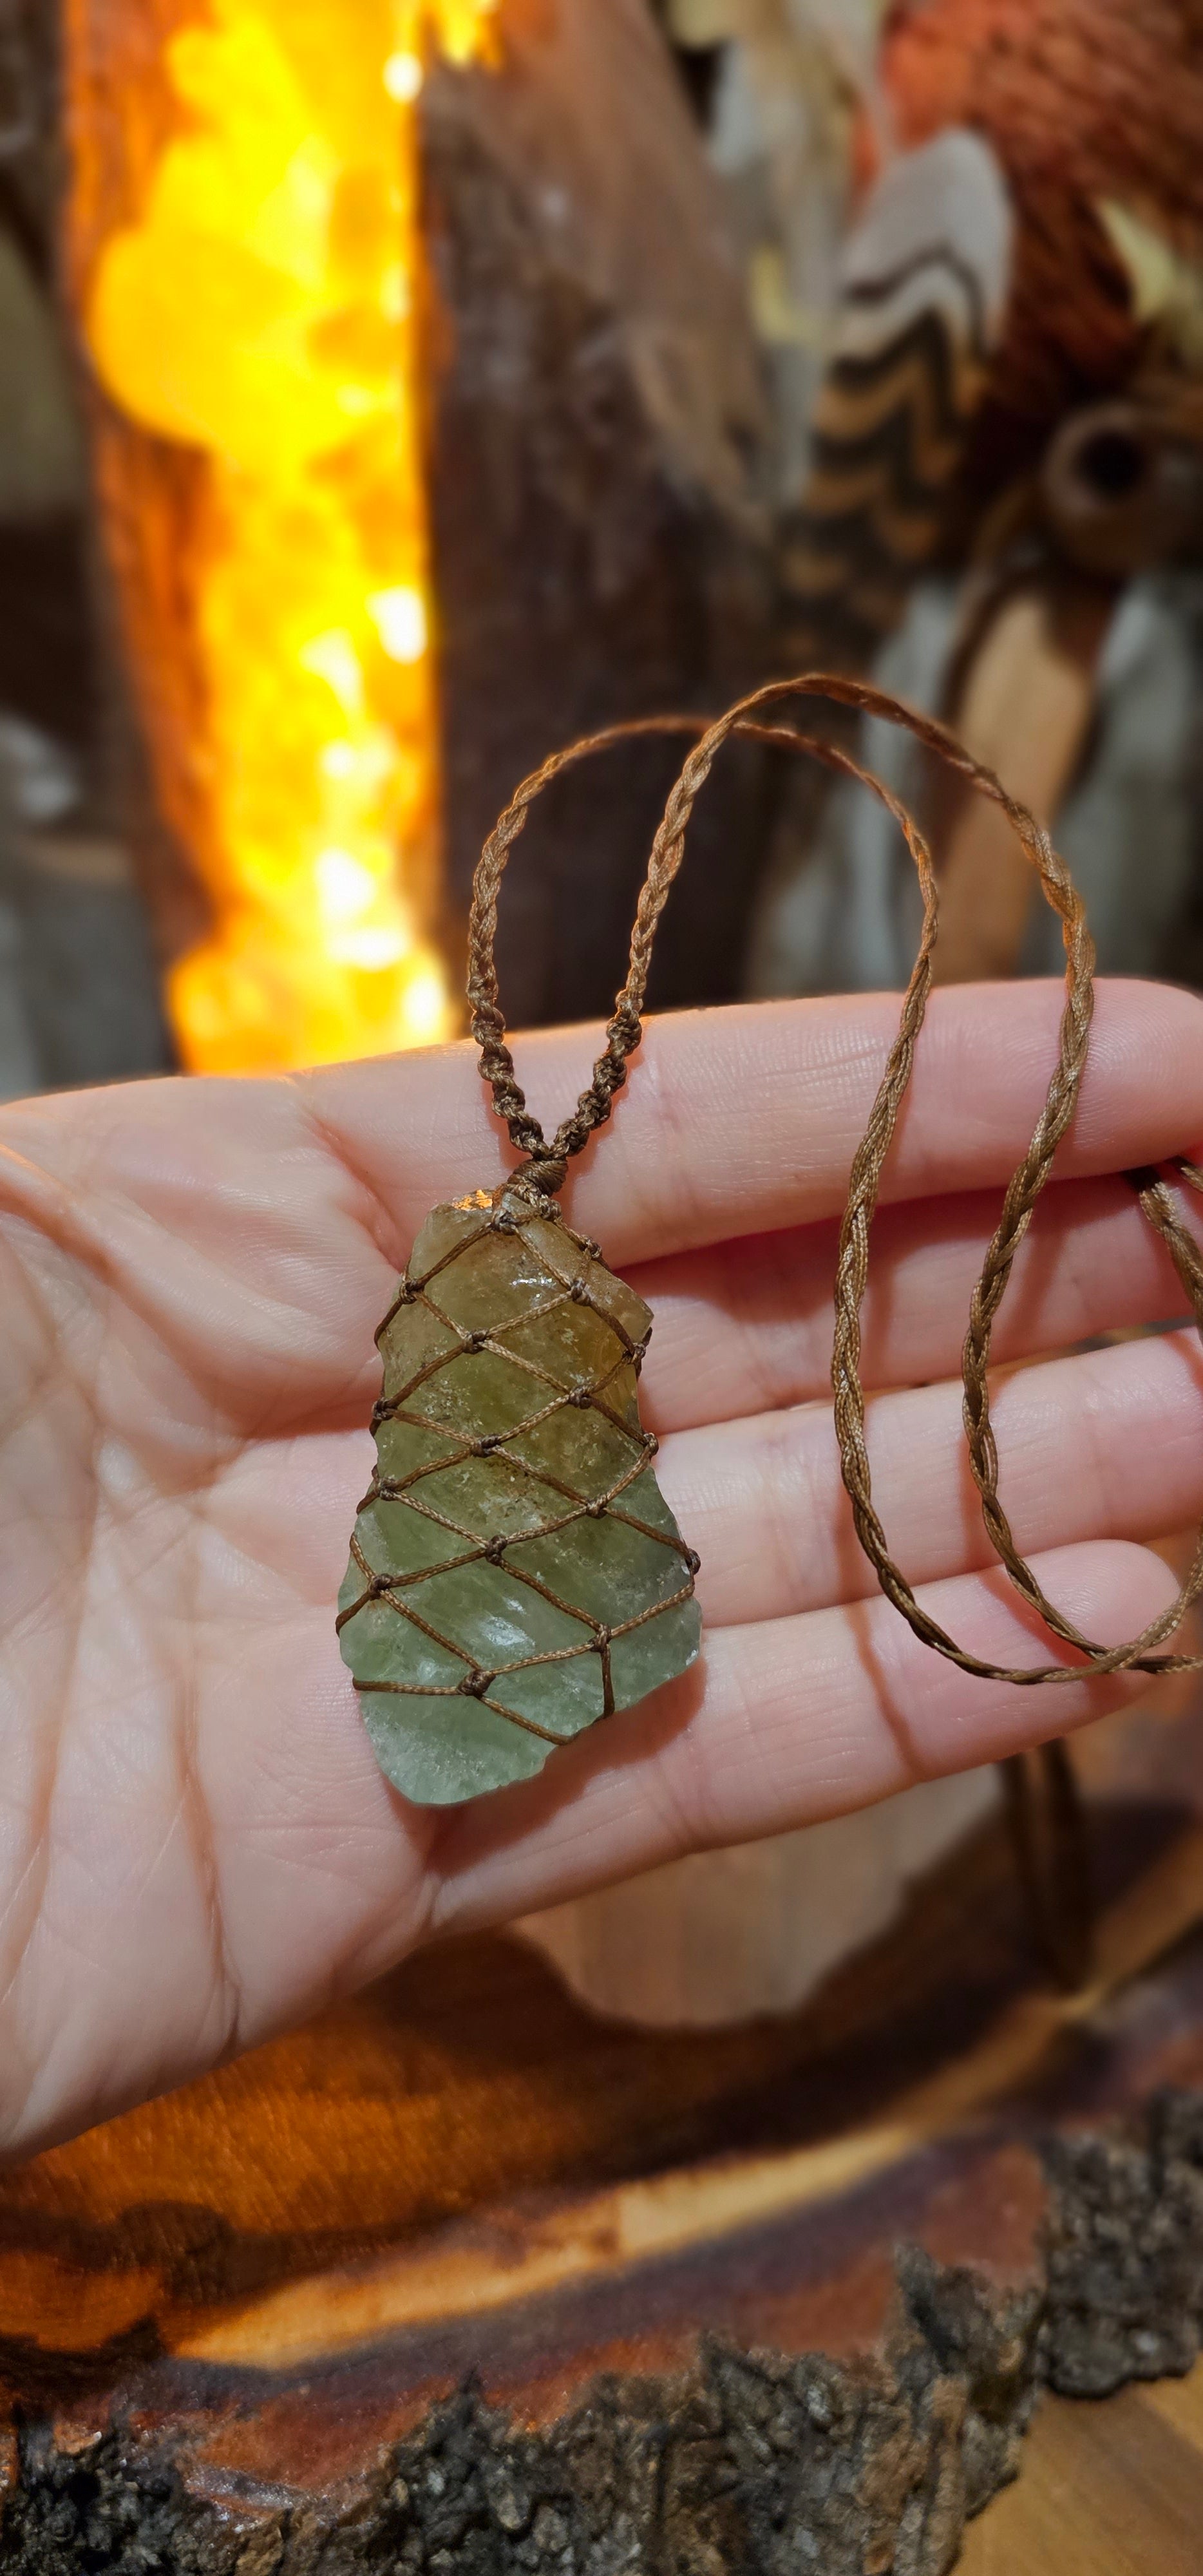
548 1160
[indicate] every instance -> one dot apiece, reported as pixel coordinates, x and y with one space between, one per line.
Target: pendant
515 1572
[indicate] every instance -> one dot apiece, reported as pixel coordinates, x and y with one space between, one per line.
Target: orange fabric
1081 99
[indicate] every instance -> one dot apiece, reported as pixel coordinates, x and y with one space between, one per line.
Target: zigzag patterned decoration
922 292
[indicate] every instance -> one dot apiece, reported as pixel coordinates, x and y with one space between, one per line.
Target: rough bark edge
752 2462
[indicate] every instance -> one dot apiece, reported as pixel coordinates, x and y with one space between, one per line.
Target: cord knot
544 1172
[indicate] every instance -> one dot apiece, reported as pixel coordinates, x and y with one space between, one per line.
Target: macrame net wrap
507 1318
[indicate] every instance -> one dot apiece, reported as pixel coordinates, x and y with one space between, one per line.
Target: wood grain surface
1111 2489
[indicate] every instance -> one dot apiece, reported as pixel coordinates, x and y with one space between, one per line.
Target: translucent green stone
515 1572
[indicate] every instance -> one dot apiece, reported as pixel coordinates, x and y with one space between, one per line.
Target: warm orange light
265 308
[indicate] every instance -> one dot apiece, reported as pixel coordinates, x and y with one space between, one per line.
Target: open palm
195 1842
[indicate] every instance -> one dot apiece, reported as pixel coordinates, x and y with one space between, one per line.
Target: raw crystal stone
515 1571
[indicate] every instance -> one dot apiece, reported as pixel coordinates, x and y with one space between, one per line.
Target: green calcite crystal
515 1572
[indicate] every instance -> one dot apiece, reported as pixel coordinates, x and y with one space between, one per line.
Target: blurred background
391 390
388 393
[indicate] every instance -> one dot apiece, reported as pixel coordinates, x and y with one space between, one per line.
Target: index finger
746 1119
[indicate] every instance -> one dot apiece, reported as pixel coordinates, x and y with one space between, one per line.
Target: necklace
515 1573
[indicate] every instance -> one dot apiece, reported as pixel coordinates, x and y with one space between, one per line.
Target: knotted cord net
512 1284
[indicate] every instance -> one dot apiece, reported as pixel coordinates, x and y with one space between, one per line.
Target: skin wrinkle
198 1821
683 1793
102 1515
840 1681
117 1272
203 1443
1110 1475
58 1377
42 1384
381 1227
880 1647
789 1487
699 1823
739 1289
98 2087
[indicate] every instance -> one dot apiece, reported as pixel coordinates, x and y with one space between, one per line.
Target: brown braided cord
548 1160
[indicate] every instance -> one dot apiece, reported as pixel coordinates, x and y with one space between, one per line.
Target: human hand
196 1845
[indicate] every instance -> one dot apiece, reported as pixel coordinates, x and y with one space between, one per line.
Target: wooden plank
1179 2403
1111 2489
